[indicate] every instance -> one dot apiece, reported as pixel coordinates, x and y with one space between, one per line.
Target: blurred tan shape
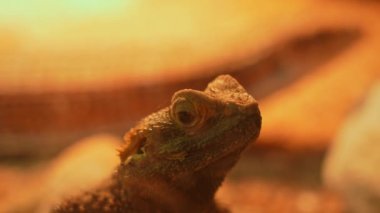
78 168
352 166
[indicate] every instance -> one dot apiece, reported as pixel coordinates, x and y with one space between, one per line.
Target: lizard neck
200 186
184 192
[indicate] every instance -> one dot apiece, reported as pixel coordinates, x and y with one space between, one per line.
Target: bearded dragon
174 160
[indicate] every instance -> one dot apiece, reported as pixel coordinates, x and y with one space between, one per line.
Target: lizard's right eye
185 117
185 113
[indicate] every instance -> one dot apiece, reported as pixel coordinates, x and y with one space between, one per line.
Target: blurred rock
352 166
82 166
53 120
75 78
77 168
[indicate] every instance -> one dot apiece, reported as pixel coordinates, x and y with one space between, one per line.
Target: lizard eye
185 112
185 117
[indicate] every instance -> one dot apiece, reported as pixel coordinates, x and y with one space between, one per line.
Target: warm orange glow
140 41
75 64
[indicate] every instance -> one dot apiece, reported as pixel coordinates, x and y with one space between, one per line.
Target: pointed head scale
227 88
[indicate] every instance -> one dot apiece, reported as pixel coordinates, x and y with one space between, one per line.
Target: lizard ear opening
134 144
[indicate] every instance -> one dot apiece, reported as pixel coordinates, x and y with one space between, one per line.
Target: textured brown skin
174 160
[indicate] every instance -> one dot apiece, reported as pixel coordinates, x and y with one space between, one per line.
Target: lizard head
200 130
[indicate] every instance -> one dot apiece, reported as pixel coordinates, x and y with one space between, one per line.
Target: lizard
174 160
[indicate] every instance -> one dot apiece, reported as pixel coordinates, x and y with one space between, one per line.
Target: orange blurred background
70 70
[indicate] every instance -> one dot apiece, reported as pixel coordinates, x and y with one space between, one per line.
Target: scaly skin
175 159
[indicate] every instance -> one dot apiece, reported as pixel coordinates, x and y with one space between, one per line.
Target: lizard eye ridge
185 112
